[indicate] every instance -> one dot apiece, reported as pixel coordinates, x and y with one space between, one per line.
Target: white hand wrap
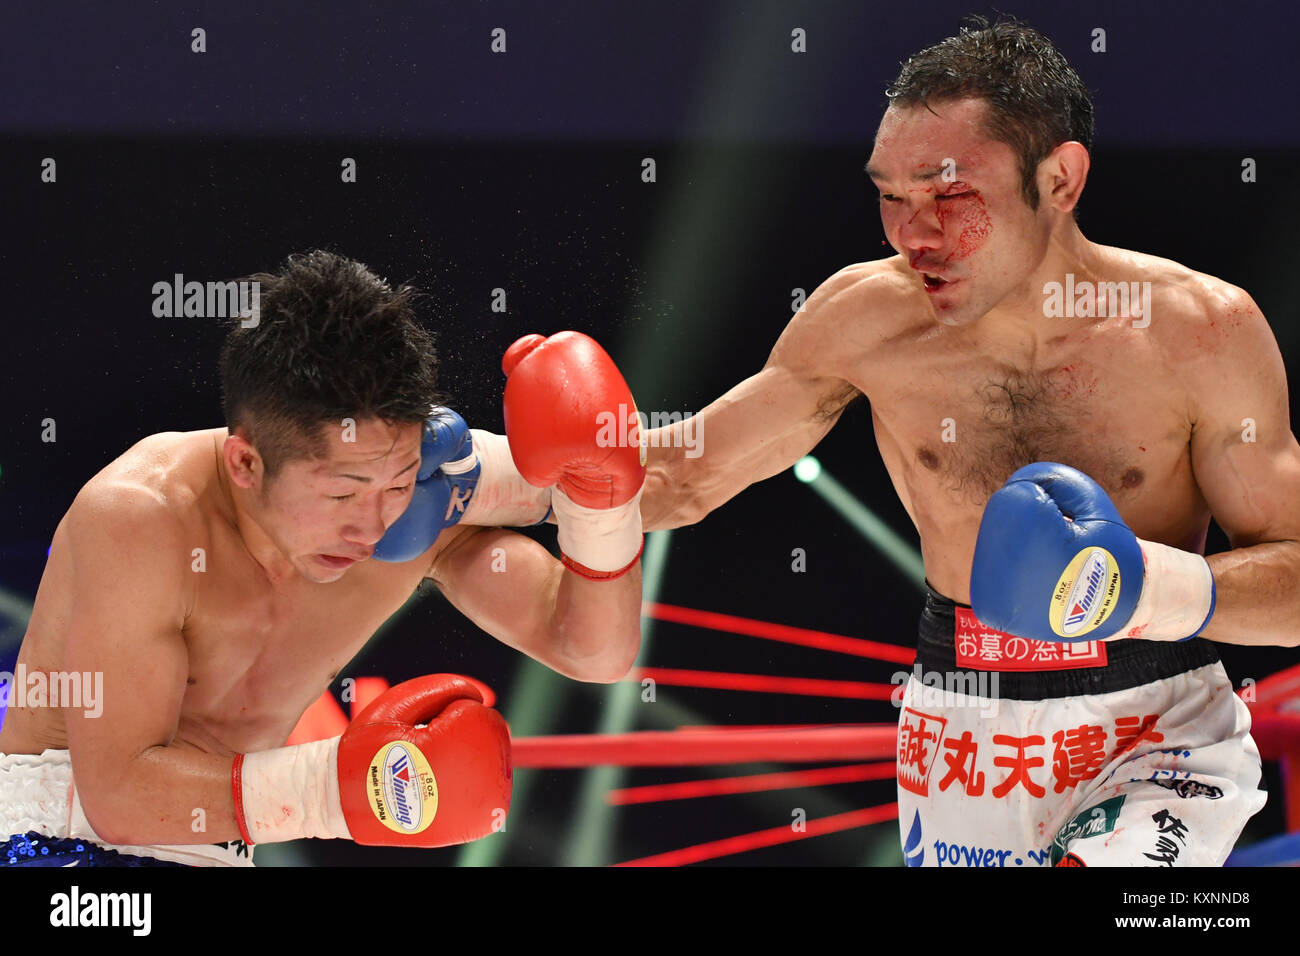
501 496
604 540
1177 595
292 793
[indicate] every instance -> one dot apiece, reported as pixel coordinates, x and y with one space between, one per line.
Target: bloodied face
951 204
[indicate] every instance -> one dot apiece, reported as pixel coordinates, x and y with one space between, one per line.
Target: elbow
109 824
607 666
109 798
605 676
606 671
615 676
619 669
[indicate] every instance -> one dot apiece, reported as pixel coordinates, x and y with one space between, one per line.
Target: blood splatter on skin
1073 382
967 217
924 191
1234 318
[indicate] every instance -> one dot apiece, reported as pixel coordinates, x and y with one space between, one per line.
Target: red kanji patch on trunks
919 736
980 647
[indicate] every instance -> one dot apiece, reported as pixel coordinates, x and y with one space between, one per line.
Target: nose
368 525
921 231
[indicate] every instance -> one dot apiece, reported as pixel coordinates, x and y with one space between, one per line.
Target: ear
1062 175
243 463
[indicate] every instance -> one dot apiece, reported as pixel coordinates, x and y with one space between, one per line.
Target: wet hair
1036 100
332 341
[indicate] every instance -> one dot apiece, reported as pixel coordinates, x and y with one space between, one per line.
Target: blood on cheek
966 218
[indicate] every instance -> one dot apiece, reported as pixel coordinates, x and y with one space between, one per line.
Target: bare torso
259 652
956 412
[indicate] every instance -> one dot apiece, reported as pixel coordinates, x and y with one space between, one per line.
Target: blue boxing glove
449 472
1054 561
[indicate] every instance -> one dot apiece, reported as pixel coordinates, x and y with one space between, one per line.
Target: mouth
934 283
337 562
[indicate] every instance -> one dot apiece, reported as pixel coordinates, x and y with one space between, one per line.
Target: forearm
1257 595
596 626
755 431
163 796
502 498
594 605
667 501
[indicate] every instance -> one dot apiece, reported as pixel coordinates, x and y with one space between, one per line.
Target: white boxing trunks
40 812
1024 753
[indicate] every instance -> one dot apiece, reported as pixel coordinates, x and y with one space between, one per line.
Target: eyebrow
926 176
369 480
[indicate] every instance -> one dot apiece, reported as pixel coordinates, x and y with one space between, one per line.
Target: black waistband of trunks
1130 663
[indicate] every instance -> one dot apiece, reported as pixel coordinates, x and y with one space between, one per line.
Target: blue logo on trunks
913 852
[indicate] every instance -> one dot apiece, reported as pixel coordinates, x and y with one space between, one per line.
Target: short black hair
332 341
1036 101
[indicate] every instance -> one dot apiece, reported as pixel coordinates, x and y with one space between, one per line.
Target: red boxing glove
572 423
385 781
402 785
571 419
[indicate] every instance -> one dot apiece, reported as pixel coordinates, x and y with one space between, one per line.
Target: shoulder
853 312
1213 337
865 286
143 500
1195 315
124 556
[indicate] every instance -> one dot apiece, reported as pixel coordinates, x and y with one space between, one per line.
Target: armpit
836 401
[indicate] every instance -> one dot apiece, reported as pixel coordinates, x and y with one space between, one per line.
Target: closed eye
402 490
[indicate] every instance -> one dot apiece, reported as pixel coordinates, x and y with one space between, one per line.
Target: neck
240 508
1019 316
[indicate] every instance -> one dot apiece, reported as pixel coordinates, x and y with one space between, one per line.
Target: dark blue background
1185 73
523 171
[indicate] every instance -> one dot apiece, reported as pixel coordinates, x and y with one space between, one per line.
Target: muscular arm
511 587
767 422
130 560
1249 472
